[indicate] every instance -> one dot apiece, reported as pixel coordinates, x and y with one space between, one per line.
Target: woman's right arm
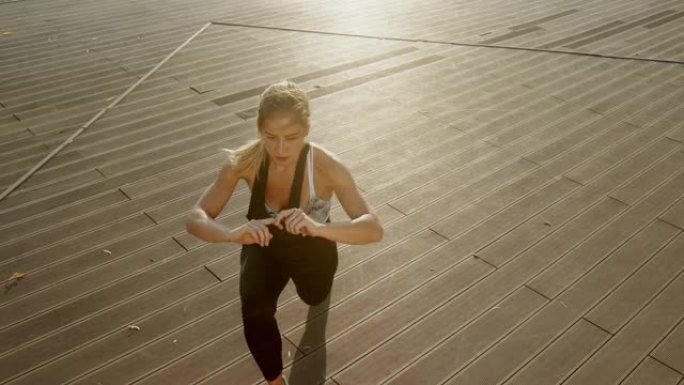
200 221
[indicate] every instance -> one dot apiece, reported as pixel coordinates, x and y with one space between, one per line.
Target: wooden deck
526 159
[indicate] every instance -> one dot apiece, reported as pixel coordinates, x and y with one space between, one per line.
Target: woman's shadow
312 370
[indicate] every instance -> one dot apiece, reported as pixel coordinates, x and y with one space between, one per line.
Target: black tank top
257 202
257 208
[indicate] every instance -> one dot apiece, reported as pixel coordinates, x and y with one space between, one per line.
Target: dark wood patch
252 112
510 35
544 19
619 29
227 99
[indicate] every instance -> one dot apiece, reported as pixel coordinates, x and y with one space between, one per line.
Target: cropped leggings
264 272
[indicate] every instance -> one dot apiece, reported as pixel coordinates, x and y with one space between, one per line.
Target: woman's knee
313 298
257 310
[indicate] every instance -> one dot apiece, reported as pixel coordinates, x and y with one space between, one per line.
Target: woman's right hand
254 231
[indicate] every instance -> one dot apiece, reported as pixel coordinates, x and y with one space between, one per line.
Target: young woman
289 233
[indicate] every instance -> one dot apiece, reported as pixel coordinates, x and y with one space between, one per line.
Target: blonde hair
284 96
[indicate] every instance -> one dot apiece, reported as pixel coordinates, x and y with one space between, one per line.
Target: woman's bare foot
278 381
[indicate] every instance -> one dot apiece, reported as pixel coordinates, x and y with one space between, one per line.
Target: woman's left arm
364 226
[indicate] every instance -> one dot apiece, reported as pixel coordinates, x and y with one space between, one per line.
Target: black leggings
264 272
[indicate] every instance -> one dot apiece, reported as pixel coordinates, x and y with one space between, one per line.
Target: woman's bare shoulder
324 159
229 169
329 165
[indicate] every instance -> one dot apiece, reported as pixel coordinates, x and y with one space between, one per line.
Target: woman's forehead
283 123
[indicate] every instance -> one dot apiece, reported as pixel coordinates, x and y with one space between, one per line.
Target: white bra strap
312 192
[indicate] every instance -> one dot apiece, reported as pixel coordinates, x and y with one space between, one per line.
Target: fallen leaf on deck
17 276
7 33
107 251
134 327
14 280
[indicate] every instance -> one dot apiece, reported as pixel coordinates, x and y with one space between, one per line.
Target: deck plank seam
550 51
122 302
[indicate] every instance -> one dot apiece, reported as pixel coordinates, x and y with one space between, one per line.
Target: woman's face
283 136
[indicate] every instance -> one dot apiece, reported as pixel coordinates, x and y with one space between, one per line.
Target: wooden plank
462 86
316 74
652 112
114 268
620 95
43 323
675 215
445 142
588 170
547 221
172 209
624 352
433 365
195 366
12 147
102 218
198 117
651 372
45 257
635 108
582 34
19 92
462 309
11 209
543 78
559 276
534 335
608 94
669 351
518 239
562 357
75 116
619 29
108 161
677 134
70 265
216 46
110 320
423 218
573 88
631 191
522 203
542 117
26 163
201 174
266 59
32 187
640 289
253 47
67 214
595 131
164 337
475 162
579 154
544 19
64 97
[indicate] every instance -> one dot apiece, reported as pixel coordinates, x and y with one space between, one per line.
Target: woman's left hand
295 221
